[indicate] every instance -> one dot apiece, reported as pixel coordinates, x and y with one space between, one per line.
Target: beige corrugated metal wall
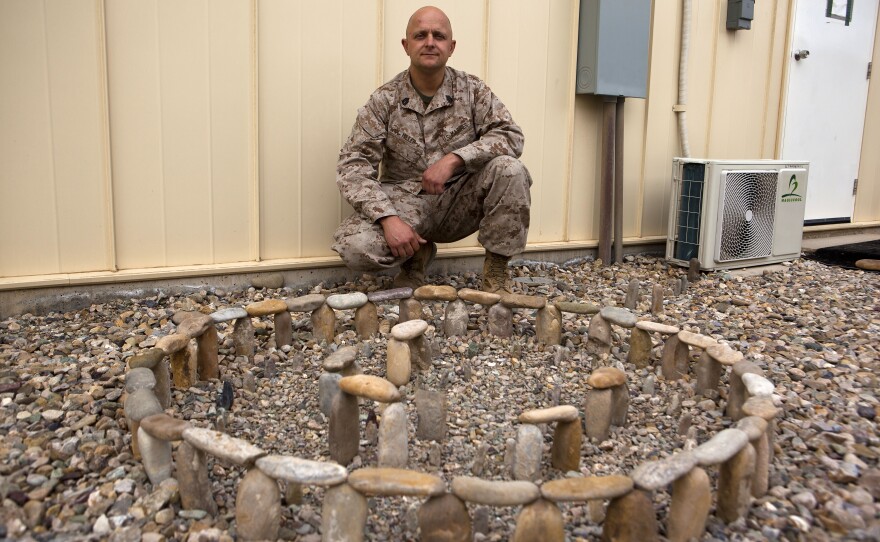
149 138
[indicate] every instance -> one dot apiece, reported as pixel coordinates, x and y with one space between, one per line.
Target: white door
827 90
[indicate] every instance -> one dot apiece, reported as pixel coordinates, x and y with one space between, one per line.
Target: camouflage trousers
494 200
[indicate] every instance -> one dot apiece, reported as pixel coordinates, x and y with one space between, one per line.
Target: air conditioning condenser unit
733 213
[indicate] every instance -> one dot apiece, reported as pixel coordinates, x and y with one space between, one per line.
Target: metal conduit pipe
681 108
606 188
618 182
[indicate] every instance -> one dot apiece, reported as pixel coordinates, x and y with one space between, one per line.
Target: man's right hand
401 238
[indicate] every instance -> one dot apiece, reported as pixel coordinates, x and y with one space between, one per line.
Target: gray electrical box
740 14
613 40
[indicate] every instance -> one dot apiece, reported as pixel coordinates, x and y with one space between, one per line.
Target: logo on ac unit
792 195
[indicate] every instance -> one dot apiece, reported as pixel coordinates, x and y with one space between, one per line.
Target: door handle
801 54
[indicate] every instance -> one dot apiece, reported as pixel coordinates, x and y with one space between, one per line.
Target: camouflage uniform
395 128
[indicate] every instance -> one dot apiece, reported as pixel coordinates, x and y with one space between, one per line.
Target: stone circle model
742 453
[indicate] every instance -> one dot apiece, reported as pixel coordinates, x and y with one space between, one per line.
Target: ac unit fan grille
748 215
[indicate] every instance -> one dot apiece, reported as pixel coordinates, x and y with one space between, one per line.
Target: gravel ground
66 471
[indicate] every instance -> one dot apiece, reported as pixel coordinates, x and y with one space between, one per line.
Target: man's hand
401 238
434 178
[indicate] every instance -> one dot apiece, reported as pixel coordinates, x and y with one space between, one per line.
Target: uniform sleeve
357 172
497 133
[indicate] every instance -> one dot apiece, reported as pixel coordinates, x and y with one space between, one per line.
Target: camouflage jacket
395 129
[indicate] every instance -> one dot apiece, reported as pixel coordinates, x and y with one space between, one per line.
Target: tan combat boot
412 271
495 278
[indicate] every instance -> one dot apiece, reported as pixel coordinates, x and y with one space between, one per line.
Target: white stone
757 384
409 330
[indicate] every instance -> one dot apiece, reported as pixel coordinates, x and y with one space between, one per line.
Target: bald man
449 153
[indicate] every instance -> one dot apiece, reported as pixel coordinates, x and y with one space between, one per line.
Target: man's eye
439 37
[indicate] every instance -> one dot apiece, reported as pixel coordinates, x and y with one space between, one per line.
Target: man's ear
403 42
452 49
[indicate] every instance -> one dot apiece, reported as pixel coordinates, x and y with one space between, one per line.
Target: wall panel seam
161 137
783 91
714 73
255 211
640 205
58 260
569 154
104 98
210 108
767 80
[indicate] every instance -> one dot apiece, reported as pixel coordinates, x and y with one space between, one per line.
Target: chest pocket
458 132
399 147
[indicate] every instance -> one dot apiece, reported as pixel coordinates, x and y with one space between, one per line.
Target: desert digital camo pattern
396 130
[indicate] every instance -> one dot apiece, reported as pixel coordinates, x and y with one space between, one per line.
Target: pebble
351 300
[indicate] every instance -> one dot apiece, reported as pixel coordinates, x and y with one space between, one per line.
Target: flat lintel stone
757 384
577 308
340 359
302 471
350 300
619 316
479 297
696 339
520 301
657 327
431 292
724 354
393 482
370 387
562 413
305 303
606 377
409 330
721 447
223 446
495 493
228 314
587 488
393 294
653 475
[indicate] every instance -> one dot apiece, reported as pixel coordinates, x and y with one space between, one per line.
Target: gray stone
494 493
390 295
344 433
306 303
207 353
721 447
328 389
708 374
406 331
632 294
527 457
597 414
268 280
228 314
222 446
455 321
243 337
257 507
341 359
191 470
500 321
696 339
283 329
654 475
344 514
393 440
351 300
656 327
139 378
140 404
619 316
757 384
420 353
431 409
156 456
302 471
753 426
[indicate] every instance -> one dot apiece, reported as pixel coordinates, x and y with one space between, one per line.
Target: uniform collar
410 99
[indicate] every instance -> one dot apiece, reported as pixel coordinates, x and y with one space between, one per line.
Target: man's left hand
434 178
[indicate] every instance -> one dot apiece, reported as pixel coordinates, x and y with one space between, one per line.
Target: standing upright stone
548 325
257 507
345 426
708 374
735 485
693 270
632 294
283 329
597 414
431 409
366 321
243 337
393 440
500 321
343 515
675 357
183 367
599 334
191 470
540 520
156 457
444 519
410 309
455 321
328 389
527 457
760 478
207 357
565 454
631 518
657 299
639 348
684 283
691 500
399 362
324 324
420 353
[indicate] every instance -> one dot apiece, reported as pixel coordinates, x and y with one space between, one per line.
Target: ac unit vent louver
732 213
749 211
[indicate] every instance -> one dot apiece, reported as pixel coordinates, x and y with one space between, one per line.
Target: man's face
428 42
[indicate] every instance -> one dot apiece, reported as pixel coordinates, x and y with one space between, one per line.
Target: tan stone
266 307
691 501
243 337
761 406
172 343
420 353
410 309
724 354
587 488
324 324
495 493
734 485
431 292
631 518
520 301
697 340
561 413
606 377
619 405
191 471
366 321
183 367
675 357
868 264
541 520
479 297
548 325
600 331
565 453
598 407
344 514
761 476
164 427
753 426
640 346
207 354
396 482
195 325
399 364
444 519
283 329
406 331
147 358
657 299
344 432
657 327
257 507
370 387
